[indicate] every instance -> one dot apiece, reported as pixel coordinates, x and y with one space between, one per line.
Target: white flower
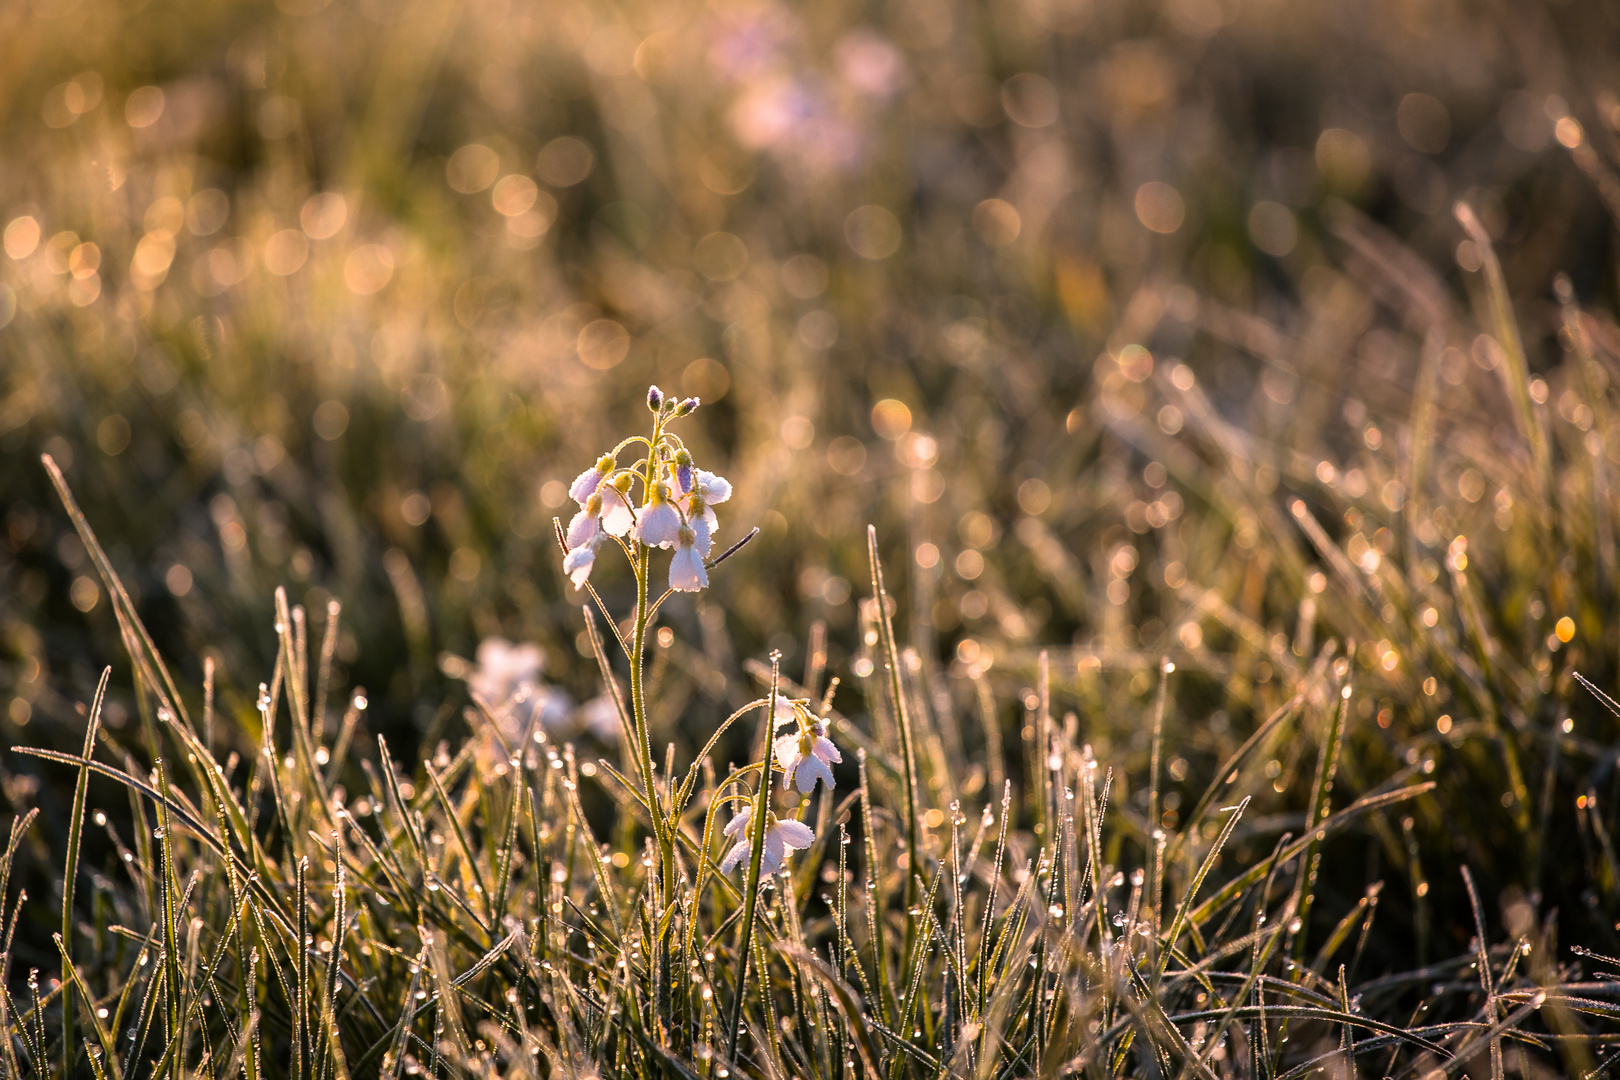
706 489
504 668
586 483
507 680
781 837
785 711
807 756
686 570
660 523
587 524
577 564
617 517
600 716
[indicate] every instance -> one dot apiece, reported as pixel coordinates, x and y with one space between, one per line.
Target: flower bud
655 398
688 406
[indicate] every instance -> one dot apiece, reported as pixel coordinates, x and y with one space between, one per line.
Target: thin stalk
908 772
71 873
756 856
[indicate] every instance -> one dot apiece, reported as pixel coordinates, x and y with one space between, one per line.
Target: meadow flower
660 522
781 837
507 680
587 524
504 669
586 483
617 517
807 756
704 489
577 564
686 570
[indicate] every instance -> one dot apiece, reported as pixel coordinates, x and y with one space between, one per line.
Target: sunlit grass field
1178 446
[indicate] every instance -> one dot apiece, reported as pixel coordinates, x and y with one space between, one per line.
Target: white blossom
586 525
586 483
617 517
686 570
577 564
781 837
807 756
660 523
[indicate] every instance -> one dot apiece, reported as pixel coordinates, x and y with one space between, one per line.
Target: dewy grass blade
70 874
756 854
902 714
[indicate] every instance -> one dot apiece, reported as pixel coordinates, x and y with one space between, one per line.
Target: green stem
902 716
756 856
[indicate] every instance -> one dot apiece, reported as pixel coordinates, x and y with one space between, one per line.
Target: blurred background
1071 298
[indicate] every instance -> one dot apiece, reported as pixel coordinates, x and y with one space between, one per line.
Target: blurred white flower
807 756
686 570
507 680
781 837
600 717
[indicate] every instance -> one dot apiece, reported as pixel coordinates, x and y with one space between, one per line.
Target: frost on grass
305 904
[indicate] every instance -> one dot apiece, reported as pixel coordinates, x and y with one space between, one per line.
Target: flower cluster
804 756
662 500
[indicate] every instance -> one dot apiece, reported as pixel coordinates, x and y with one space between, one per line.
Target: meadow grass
1172 450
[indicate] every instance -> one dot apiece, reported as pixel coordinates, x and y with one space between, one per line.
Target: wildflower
617 517
686 570
655 398
704 489
507 680
807 756
587 524
587 482
660 523
504 669
781 837
577 565
787 711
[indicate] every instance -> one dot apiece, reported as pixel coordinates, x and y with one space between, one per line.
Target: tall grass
1209 688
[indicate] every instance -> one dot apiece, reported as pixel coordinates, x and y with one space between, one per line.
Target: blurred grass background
1073 298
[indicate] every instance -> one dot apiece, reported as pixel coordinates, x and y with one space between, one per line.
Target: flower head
586 483
617 517
781 837
702 491
686 570
807 756
507 680
655 398
587 524
577 564
660 523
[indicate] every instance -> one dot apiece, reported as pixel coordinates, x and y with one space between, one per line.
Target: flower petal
583 528
740 820
617 517
775 852
585 485
687 572
715 488
787 751
827 751
738 852
795 834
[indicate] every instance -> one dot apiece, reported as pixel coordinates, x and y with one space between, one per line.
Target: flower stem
756 855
